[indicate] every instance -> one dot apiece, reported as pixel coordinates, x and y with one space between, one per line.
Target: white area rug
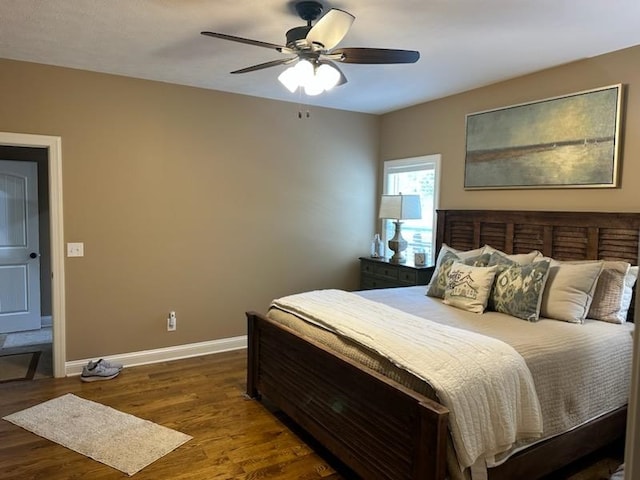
109 436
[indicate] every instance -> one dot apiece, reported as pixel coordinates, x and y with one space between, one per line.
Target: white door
19 256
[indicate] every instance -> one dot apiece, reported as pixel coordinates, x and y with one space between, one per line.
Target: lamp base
398 245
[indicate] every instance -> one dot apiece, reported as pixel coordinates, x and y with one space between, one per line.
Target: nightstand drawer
366 268
408 276
368 282
386 271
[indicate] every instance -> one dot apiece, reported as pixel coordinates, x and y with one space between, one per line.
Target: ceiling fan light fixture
297 76
328 76
314 80
304 71
289 79
313 86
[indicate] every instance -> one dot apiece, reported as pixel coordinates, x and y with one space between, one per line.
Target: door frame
58 308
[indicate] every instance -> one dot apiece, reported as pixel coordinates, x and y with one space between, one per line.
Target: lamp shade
400 207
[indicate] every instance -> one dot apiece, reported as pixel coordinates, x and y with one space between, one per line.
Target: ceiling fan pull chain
300 106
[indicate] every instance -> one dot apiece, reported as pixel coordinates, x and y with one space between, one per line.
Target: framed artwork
572 141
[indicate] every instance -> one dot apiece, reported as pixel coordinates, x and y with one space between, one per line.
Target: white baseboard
146 357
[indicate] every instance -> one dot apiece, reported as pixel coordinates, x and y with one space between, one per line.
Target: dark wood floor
234 438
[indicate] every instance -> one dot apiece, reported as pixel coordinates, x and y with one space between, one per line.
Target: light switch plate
75 249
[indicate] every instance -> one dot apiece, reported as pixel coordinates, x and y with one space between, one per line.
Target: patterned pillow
459 253
441 276
613 293
469 287
517 289
569 290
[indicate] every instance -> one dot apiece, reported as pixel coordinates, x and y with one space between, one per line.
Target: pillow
520 258
517 289
569 290
468 287
460 254
629 282
441 275
464 254
612 297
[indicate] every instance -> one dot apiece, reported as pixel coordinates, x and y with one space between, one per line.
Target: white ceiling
463 43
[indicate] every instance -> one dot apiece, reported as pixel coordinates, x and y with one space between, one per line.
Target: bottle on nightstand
377 248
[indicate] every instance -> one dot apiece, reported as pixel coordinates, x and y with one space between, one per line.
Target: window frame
413 164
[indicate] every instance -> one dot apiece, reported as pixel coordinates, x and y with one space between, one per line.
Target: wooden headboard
560 235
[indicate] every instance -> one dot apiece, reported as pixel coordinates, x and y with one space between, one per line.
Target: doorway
46 152
25 287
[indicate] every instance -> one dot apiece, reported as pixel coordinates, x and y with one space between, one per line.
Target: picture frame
569 141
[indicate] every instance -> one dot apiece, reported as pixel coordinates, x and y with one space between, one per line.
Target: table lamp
397 208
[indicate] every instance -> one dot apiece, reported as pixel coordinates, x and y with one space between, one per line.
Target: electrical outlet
75 249
171 322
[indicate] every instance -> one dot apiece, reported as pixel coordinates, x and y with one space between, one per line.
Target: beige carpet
109 436
18 366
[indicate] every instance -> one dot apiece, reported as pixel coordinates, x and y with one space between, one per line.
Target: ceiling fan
314 52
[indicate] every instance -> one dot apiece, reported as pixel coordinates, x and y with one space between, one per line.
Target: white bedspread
484 382
581 371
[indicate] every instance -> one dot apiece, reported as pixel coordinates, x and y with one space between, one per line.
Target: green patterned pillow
439 281
517 290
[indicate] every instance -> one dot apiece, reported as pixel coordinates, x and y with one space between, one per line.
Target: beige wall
201 202
439 127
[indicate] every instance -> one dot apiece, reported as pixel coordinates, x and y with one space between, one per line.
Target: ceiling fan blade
375 55
248 41
272 63
331 28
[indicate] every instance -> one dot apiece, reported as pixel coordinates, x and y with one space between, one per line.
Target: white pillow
612 297
468 287
569 290
519 258
629 281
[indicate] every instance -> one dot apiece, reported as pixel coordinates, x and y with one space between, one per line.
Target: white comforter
484 382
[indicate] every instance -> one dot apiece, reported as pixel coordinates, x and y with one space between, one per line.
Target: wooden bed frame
383 430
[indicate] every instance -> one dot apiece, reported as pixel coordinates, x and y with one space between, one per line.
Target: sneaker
106 363
98 371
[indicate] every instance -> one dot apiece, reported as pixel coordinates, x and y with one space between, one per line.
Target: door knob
33 255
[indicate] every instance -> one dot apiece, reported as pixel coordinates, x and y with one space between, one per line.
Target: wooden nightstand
379 273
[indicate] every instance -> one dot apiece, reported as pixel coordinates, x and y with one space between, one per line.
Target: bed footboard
377 427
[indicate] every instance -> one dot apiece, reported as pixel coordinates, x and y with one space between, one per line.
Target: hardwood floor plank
233 437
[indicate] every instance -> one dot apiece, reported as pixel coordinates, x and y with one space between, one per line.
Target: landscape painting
563 142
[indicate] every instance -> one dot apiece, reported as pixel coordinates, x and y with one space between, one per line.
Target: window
419 175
